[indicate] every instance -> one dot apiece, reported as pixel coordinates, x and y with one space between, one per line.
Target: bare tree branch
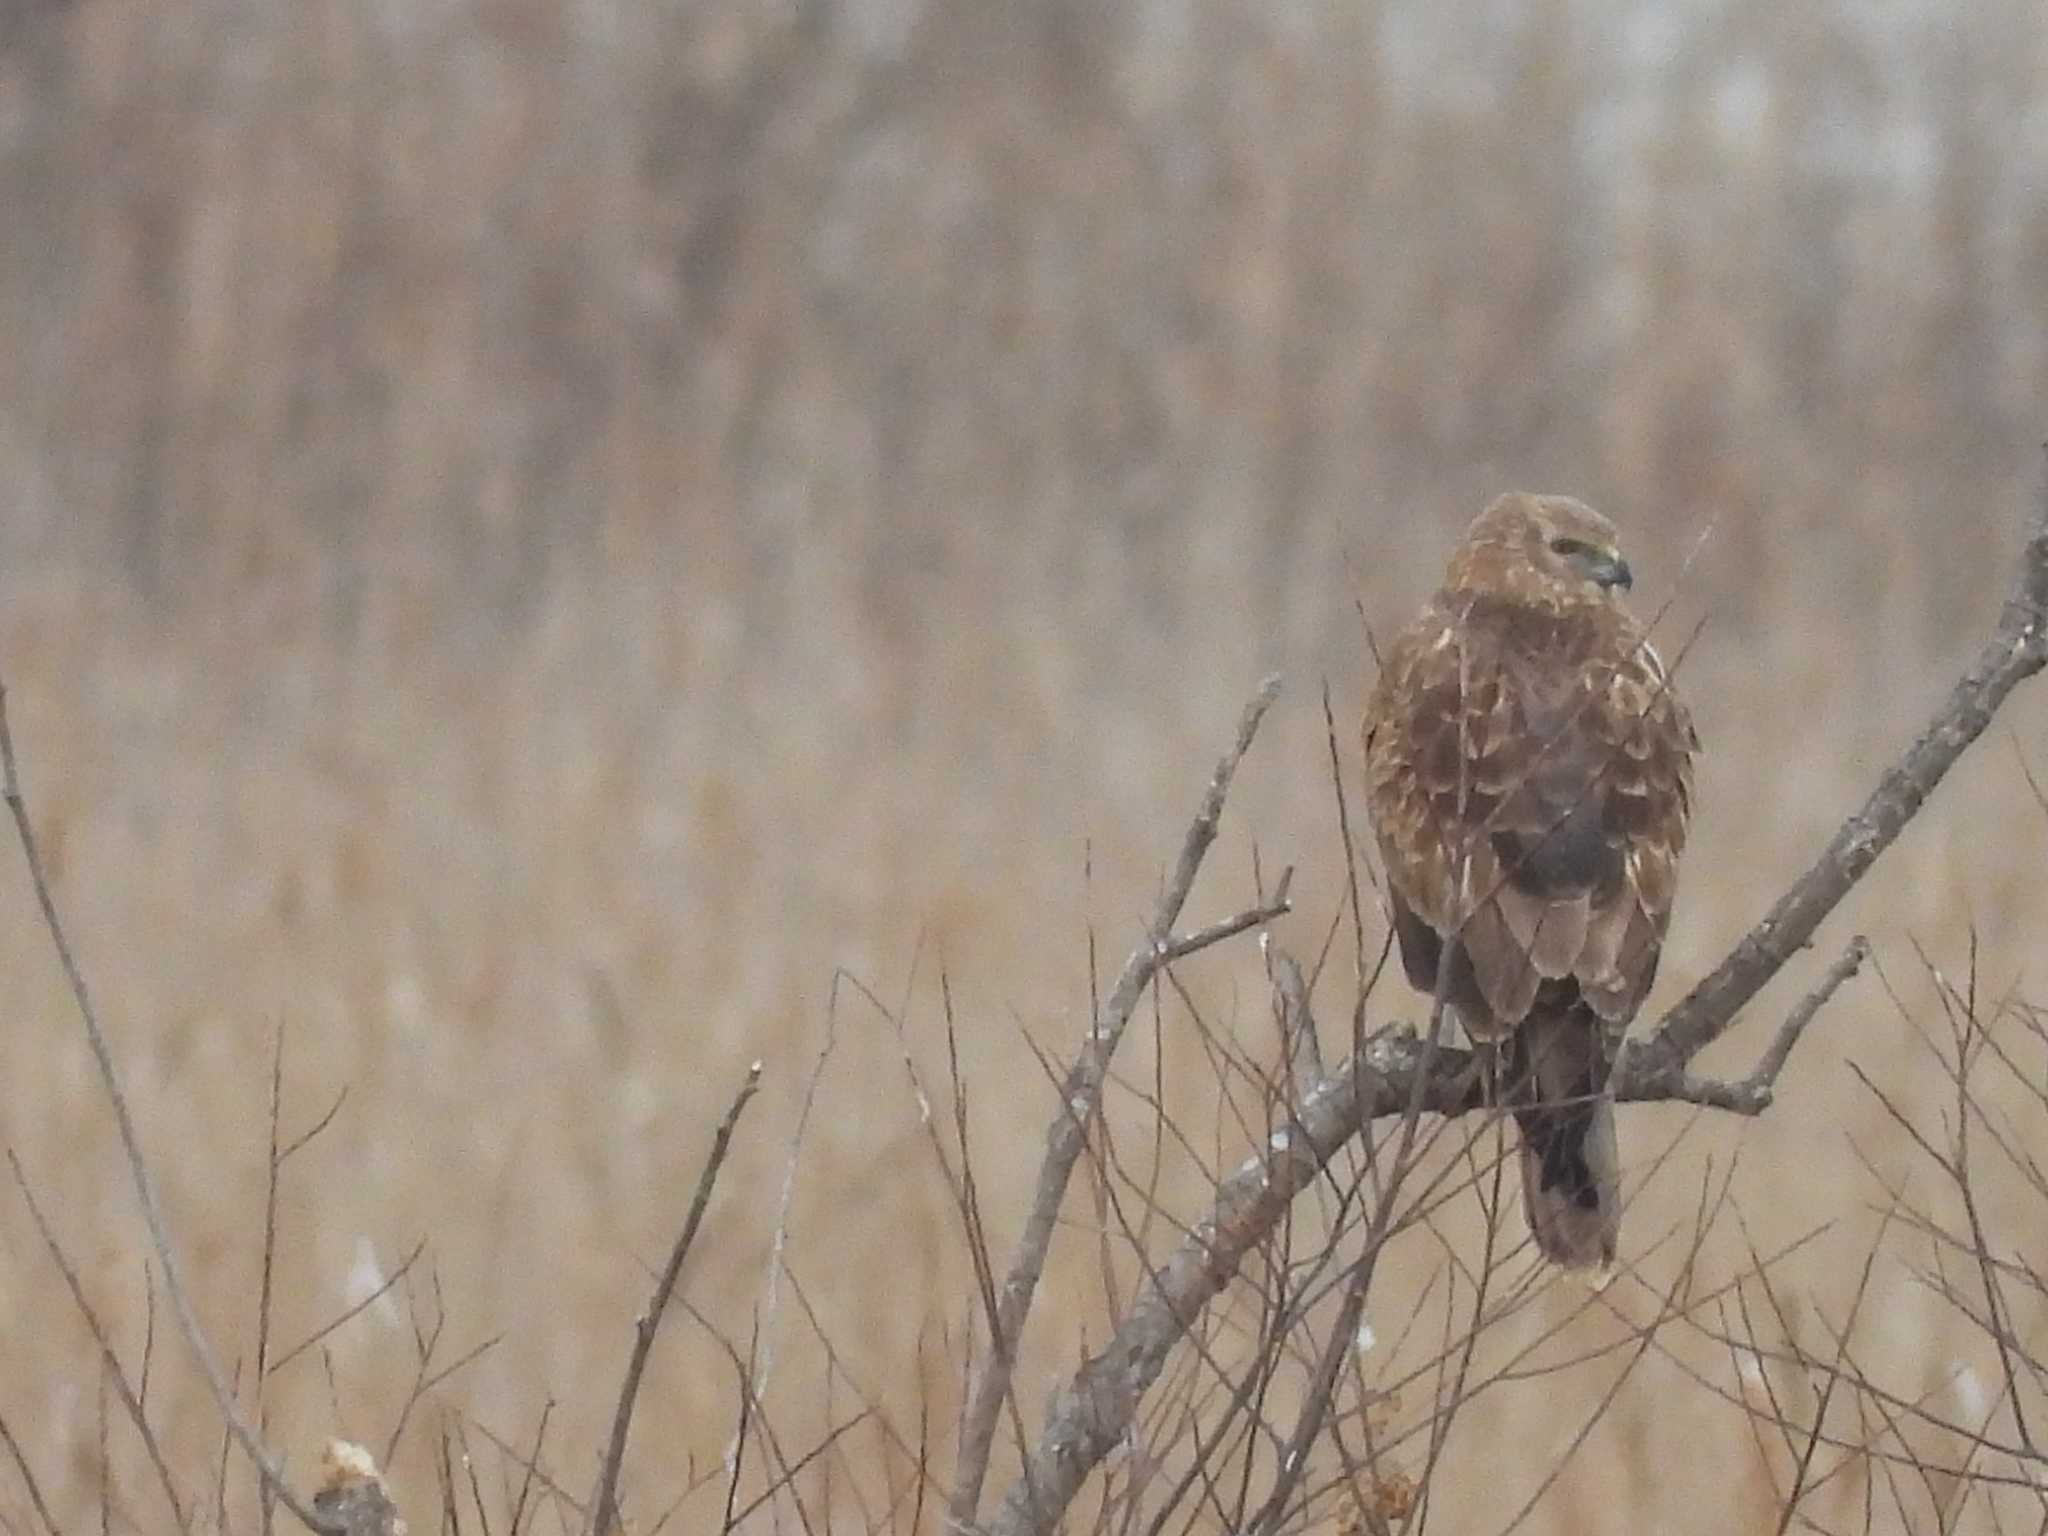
1752 1095
604 1506
131 1146
2017 649
1079 1097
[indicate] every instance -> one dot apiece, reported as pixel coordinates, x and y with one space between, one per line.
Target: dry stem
604 1506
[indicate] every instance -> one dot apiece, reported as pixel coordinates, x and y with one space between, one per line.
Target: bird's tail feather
1571 1168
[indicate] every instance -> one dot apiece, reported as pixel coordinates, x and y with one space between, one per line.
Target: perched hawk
1528 773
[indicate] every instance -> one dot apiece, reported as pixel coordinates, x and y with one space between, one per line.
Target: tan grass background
530 534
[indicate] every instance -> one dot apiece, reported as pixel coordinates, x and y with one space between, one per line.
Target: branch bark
1395 1070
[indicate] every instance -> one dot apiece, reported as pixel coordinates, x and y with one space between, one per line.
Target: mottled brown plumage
1529 778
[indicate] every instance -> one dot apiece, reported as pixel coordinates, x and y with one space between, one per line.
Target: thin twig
1091 1413
397 1276
788 1477
425 1383
1447 1407
1349 845
131 1147
532 1464
476 1492
1181 945
110 1364
1803 1481
1753 1094
527 1471
299 1142
266 1505
1315 1409
736 1458
28 1478
148 1335
220 1468
604 1505
778 1248
425 1341
1299 1047
1997 1311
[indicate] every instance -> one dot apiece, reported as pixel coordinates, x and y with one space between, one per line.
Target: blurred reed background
532 533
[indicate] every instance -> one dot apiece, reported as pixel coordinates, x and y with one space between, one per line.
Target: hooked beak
1611 571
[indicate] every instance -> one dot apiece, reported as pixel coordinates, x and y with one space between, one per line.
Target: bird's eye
1566 546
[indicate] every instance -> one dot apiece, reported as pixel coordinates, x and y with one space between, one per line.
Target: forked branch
1080 1093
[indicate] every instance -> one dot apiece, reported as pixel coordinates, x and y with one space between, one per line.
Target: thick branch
1079 1094
2018 649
